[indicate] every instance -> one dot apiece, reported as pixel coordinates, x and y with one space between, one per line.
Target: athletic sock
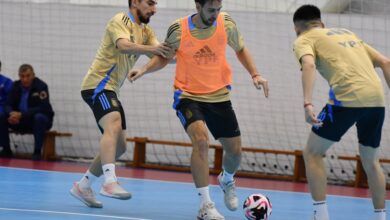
320 210
204 195
87 180
380 214
227 177
109 173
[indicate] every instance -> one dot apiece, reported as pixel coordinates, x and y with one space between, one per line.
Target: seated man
28 110
5 88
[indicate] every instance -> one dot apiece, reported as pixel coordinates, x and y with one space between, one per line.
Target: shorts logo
205 56
188 114
114 103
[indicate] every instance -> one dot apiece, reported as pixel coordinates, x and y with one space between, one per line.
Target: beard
144 18
207 22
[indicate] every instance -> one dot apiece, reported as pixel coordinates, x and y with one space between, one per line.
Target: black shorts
219 117
337 120
103 103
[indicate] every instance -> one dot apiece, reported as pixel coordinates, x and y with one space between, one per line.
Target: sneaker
114 190
230 197
209 212
87 196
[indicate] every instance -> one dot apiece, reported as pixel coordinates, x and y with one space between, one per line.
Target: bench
139 160
49 144
360 174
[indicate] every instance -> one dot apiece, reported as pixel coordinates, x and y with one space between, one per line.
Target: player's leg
107 110
191 117
231 162
336 121
375 176
313 154
369 129
113 124
222 122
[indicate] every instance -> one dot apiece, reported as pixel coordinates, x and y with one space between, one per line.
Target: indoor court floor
40 190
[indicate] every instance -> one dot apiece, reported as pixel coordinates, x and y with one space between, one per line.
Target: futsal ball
257 207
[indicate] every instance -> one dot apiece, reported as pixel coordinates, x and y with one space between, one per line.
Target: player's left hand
259 81
311 118
134 74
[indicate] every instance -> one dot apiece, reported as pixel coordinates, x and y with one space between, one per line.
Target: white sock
87 180
204 195
321 210
227 177
380 214
109 173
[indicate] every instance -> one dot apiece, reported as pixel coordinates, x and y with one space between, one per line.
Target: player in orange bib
202 93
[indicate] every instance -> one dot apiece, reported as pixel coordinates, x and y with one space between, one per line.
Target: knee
41 119
371 166
115 128
234 151
311 155
201 146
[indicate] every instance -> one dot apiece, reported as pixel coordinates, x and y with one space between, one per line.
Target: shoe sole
199 218
103 193
83 201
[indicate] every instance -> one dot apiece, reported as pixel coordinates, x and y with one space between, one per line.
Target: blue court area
31 194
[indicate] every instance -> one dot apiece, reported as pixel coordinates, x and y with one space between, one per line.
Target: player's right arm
119 31
158 62
380 61
304 51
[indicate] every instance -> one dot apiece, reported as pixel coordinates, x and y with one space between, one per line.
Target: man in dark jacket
28 110
5 88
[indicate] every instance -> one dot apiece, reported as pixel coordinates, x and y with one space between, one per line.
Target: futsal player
356 97
202 94
127 36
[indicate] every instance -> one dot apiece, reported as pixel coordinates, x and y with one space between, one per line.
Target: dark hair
129 3
307 13
202 2
0 64
25 67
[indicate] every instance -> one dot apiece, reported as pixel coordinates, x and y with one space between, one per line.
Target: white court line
71 213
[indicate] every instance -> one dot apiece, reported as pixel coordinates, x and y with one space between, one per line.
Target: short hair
129 3
202 2
0 63
307 13
25 67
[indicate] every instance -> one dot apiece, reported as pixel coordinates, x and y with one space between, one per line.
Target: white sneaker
230 197
209 212
87 196
114 190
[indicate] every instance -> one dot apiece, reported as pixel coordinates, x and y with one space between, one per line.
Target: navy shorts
103 103
337 120
219 117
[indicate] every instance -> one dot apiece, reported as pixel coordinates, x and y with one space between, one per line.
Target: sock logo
107 170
